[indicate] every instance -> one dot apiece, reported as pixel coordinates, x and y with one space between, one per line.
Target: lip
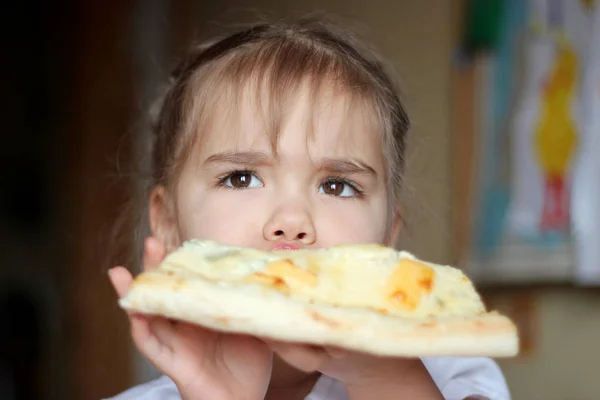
285 246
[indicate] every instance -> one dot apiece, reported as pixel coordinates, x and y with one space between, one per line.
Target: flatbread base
264 312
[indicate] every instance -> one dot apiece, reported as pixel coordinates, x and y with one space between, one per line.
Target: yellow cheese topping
291 273
281 274
409 282
356 276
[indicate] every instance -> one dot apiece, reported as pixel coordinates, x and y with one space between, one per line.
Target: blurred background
503 170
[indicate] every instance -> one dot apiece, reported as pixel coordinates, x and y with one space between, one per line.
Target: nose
290 224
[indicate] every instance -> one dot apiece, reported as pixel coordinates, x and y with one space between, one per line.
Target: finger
165 331
304 357
151 336
121 280
336 352
154 253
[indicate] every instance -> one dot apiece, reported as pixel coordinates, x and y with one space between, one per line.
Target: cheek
350 222
218 216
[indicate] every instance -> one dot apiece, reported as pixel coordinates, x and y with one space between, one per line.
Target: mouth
285 246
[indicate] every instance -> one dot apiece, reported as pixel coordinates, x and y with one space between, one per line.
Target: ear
396 227
163 222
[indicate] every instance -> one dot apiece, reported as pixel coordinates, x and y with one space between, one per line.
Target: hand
203 364
364 376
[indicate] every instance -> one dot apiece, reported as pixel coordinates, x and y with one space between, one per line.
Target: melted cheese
408 283
284 276
291 273
275 282
356 276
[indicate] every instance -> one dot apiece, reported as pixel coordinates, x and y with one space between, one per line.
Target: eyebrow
246 158
256 158
346 167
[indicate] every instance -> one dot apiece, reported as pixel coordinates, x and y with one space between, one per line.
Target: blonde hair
277 58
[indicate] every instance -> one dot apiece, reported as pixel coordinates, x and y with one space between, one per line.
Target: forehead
326 122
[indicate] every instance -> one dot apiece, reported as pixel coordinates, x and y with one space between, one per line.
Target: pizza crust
263 312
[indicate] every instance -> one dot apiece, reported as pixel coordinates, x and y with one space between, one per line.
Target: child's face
320 189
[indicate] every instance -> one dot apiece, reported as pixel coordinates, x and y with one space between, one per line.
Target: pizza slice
366 298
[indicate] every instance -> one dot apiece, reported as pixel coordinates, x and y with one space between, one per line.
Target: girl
281 137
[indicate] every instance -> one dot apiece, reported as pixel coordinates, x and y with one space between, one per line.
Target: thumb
121 280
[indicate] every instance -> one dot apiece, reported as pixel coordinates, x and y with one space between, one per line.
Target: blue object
495 195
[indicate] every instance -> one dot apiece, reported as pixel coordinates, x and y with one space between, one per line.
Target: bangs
272 76
272 67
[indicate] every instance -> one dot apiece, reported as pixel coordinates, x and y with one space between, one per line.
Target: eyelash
220 182
340 179
223 178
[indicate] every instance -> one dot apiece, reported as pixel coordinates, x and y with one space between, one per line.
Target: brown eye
338 188
333 188
242 180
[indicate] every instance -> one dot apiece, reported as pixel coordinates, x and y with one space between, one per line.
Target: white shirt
457 379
